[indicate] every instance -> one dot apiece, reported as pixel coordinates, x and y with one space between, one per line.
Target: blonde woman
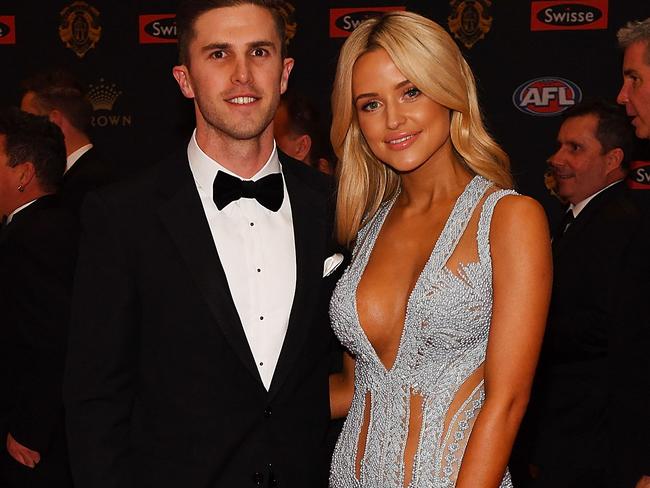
443 306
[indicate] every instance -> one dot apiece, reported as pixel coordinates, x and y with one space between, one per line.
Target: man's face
235 73
9 181
635 92
579 165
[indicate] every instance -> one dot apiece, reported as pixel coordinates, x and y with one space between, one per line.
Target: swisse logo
344 20
563 15
7 29
157 29
639 176
546 96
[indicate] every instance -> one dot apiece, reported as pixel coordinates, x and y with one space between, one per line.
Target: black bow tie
268 191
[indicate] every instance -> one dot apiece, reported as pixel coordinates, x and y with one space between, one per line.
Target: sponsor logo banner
567 15
546 96
344 20
102 96
79 29
470 20
7 29
639 175
157 29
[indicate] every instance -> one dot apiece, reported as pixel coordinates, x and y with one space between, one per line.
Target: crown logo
103 96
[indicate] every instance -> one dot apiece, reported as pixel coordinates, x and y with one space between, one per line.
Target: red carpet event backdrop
533 60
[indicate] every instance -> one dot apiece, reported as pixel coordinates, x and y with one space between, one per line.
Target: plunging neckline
374 235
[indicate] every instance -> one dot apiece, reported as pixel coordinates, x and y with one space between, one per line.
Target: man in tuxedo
634 39
61 97
579 432
198 354
37 258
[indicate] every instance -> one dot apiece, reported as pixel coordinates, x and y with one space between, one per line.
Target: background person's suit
576 436
89 172
161 389
37 259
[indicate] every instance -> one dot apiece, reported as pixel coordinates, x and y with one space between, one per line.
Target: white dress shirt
257 251
579 207
74 156
12 214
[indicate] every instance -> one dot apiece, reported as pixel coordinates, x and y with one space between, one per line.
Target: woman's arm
522 280
342 388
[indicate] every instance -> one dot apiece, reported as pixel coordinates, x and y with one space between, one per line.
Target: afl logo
157 29
546 96
7 32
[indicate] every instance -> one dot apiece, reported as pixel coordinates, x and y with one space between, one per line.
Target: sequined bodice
443 342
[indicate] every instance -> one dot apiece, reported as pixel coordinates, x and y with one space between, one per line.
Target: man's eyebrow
226 45
629 71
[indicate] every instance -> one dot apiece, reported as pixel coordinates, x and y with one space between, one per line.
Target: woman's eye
412 92
370 106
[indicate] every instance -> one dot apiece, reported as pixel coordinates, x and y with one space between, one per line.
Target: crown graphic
103 96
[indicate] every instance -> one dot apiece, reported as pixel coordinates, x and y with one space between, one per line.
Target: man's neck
243 157
74 142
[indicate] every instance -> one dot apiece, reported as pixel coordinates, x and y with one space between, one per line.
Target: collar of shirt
204 168
74 156
11 215
580 206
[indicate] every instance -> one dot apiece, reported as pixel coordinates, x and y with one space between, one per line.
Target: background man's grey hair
635 31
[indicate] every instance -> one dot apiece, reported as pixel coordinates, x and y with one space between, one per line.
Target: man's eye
259 52
217 54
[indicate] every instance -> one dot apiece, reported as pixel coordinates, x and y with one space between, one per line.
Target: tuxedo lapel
308 214
181 212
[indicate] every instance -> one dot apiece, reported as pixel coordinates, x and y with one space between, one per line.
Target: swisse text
562 15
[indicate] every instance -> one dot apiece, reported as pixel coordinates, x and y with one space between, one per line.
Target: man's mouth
242 100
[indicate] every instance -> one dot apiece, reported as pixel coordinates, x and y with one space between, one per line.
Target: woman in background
444 304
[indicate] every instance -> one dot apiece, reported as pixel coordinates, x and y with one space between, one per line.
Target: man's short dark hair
33 138
190 10
62 91
614 128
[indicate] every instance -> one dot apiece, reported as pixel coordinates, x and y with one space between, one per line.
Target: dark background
150 118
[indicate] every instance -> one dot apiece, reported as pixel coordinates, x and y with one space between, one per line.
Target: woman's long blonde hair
428 57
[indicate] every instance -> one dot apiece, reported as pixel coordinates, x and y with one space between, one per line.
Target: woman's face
403 127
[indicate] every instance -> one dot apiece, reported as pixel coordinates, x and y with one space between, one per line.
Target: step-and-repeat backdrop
532 59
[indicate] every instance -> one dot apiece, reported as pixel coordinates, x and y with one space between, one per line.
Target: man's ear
56 117
182 76
303 146
26 173
287 66
614 159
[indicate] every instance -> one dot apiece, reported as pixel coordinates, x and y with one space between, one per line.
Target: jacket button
273 481
258 479
268 412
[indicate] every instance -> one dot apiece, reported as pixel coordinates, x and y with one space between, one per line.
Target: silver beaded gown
443 342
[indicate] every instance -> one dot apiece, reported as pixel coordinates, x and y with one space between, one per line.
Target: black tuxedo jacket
88 173
582 416
161 387
37 260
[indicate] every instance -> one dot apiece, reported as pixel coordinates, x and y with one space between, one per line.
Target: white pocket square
332 263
